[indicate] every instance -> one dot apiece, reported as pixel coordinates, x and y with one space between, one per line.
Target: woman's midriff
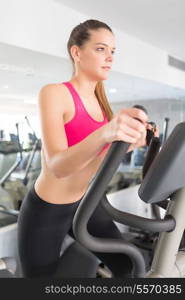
65 190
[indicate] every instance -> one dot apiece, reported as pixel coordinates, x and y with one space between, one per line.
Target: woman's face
95 57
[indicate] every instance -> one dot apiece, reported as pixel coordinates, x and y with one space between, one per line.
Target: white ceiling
23 72
158 22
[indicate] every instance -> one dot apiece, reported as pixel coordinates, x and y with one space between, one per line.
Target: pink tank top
82 123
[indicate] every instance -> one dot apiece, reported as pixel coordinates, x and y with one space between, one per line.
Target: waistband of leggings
37 197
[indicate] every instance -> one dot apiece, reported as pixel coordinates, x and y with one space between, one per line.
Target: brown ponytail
103 101
79 35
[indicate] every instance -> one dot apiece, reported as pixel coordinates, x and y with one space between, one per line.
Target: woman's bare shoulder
54 88
53 93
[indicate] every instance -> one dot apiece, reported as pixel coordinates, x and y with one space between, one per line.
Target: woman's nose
109 56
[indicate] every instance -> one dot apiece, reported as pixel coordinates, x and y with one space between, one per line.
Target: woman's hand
142 141
128 125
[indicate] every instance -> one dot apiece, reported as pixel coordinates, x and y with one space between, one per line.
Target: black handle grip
153 150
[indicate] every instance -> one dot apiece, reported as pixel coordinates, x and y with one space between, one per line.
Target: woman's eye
101 49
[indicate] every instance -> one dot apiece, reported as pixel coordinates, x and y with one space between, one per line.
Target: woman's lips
106 68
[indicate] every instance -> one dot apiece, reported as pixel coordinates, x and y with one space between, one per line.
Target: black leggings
42 227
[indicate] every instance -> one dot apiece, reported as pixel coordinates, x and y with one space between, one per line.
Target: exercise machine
163 184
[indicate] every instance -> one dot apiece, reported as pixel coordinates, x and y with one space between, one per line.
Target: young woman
78 127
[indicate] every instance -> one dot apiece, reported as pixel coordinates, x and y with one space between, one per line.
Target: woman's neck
85 88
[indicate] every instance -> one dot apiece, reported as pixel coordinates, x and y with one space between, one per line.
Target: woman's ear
75 53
